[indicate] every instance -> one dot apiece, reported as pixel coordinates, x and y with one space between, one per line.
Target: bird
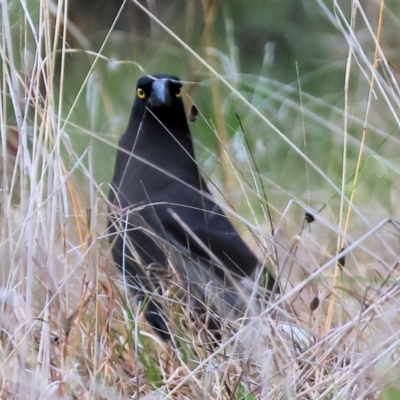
161 210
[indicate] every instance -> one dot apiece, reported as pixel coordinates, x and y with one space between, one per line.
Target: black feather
164 207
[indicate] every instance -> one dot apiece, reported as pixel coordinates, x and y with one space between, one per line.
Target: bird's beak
160 94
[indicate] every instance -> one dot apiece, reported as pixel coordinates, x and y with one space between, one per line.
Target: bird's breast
148 181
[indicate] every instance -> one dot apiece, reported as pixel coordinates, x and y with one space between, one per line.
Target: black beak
160 94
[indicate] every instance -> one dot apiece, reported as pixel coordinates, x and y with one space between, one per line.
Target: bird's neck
160 139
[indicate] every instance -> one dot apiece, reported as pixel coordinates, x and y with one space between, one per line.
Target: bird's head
158 111
157 92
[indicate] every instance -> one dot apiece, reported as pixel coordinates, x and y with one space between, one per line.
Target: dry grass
68 327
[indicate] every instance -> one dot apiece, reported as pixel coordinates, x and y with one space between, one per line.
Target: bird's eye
140 93
178 93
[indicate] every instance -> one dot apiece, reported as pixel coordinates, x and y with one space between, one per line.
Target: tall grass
313 181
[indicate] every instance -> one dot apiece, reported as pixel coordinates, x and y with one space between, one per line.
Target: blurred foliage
288 58
265 39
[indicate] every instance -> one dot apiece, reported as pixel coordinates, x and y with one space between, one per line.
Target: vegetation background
299 117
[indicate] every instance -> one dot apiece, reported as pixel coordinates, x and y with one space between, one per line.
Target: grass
273 150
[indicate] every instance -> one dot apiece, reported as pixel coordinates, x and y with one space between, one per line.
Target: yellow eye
178 93
140 93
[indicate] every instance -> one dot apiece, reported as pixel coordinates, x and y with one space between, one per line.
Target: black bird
162 210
